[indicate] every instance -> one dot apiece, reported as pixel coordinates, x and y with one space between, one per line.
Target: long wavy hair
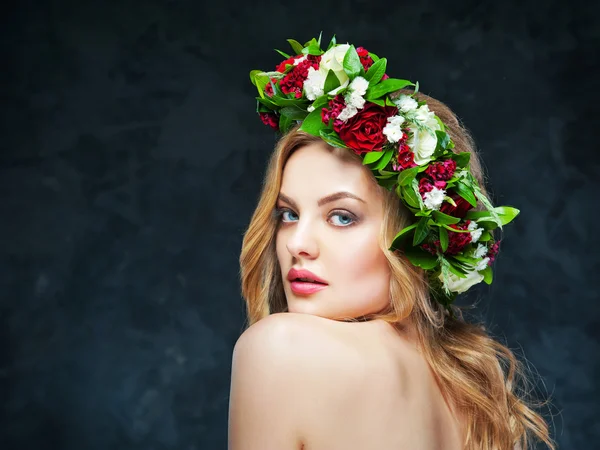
480 375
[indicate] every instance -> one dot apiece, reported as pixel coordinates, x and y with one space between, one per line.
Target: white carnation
434 198
406 103
355 100
393 130
359 86
482 264
475 231
456 284
310 109
314 84
480 251
348 112
299 60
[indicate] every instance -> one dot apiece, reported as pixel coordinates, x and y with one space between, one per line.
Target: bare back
397 405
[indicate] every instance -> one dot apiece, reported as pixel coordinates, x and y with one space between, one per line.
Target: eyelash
338 212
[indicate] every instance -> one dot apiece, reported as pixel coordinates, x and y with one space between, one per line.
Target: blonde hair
479 374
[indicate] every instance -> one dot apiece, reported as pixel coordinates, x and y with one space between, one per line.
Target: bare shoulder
286 368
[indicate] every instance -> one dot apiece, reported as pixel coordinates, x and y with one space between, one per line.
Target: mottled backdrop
131 158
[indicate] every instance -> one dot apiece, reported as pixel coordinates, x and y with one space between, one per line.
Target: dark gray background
131 159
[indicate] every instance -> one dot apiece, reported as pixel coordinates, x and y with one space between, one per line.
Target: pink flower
336 105
493 252
426 185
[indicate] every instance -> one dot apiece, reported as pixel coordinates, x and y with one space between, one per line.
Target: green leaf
332 42
462 159
313 123
284 123
407 175
402 237
415 185
421 258
485 236
332 138
320 101
443 239
386 86
372 157
376 71
443 140
296 46
456 270
384 161
506 213
312 49
285 55
352 65
409 195
466 193
421 231
440 217
293 112
267 103
488 275
260 80
331 82
380 102
387 183
474 215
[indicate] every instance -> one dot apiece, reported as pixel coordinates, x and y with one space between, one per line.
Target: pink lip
304 287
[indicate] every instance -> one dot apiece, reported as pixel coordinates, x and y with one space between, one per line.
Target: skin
337 241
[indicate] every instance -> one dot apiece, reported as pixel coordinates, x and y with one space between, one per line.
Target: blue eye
345 218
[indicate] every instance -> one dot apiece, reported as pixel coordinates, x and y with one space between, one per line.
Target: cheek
363 257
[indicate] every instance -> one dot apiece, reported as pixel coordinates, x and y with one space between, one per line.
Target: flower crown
344 96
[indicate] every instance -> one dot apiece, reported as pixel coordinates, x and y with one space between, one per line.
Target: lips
303 275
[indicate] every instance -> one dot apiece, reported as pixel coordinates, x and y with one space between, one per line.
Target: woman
372 219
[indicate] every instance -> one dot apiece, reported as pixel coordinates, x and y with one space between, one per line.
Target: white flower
333 59
456 284
299 60
405 103
423 140
393 129
480 251
482 264
310 109
359 86
434 198
475 231
355 100
314 84
348 112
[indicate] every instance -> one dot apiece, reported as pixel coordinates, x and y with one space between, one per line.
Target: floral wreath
344 96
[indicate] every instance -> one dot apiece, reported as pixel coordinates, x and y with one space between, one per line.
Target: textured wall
131 158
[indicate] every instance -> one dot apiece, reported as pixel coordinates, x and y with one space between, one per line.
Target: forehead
315 169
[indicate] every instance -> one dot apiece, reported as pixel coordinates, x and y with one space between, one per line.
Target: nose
302 241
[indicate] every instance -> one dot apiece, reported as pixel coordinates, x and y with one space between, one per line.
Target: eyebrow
324 200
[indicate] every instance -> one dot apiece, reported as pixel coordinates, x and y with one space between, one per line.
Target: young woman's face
330 215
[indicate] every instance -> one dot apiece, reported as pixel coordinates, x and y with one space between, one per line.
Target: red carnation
426 185
270 119
365 59
461 208
443 170
493 251
458 241
290 61
406 157
293 82
269 87
336 105
363 133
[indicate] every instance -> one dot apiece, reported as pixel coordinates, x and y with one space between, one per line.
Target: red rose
363 133
461 208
